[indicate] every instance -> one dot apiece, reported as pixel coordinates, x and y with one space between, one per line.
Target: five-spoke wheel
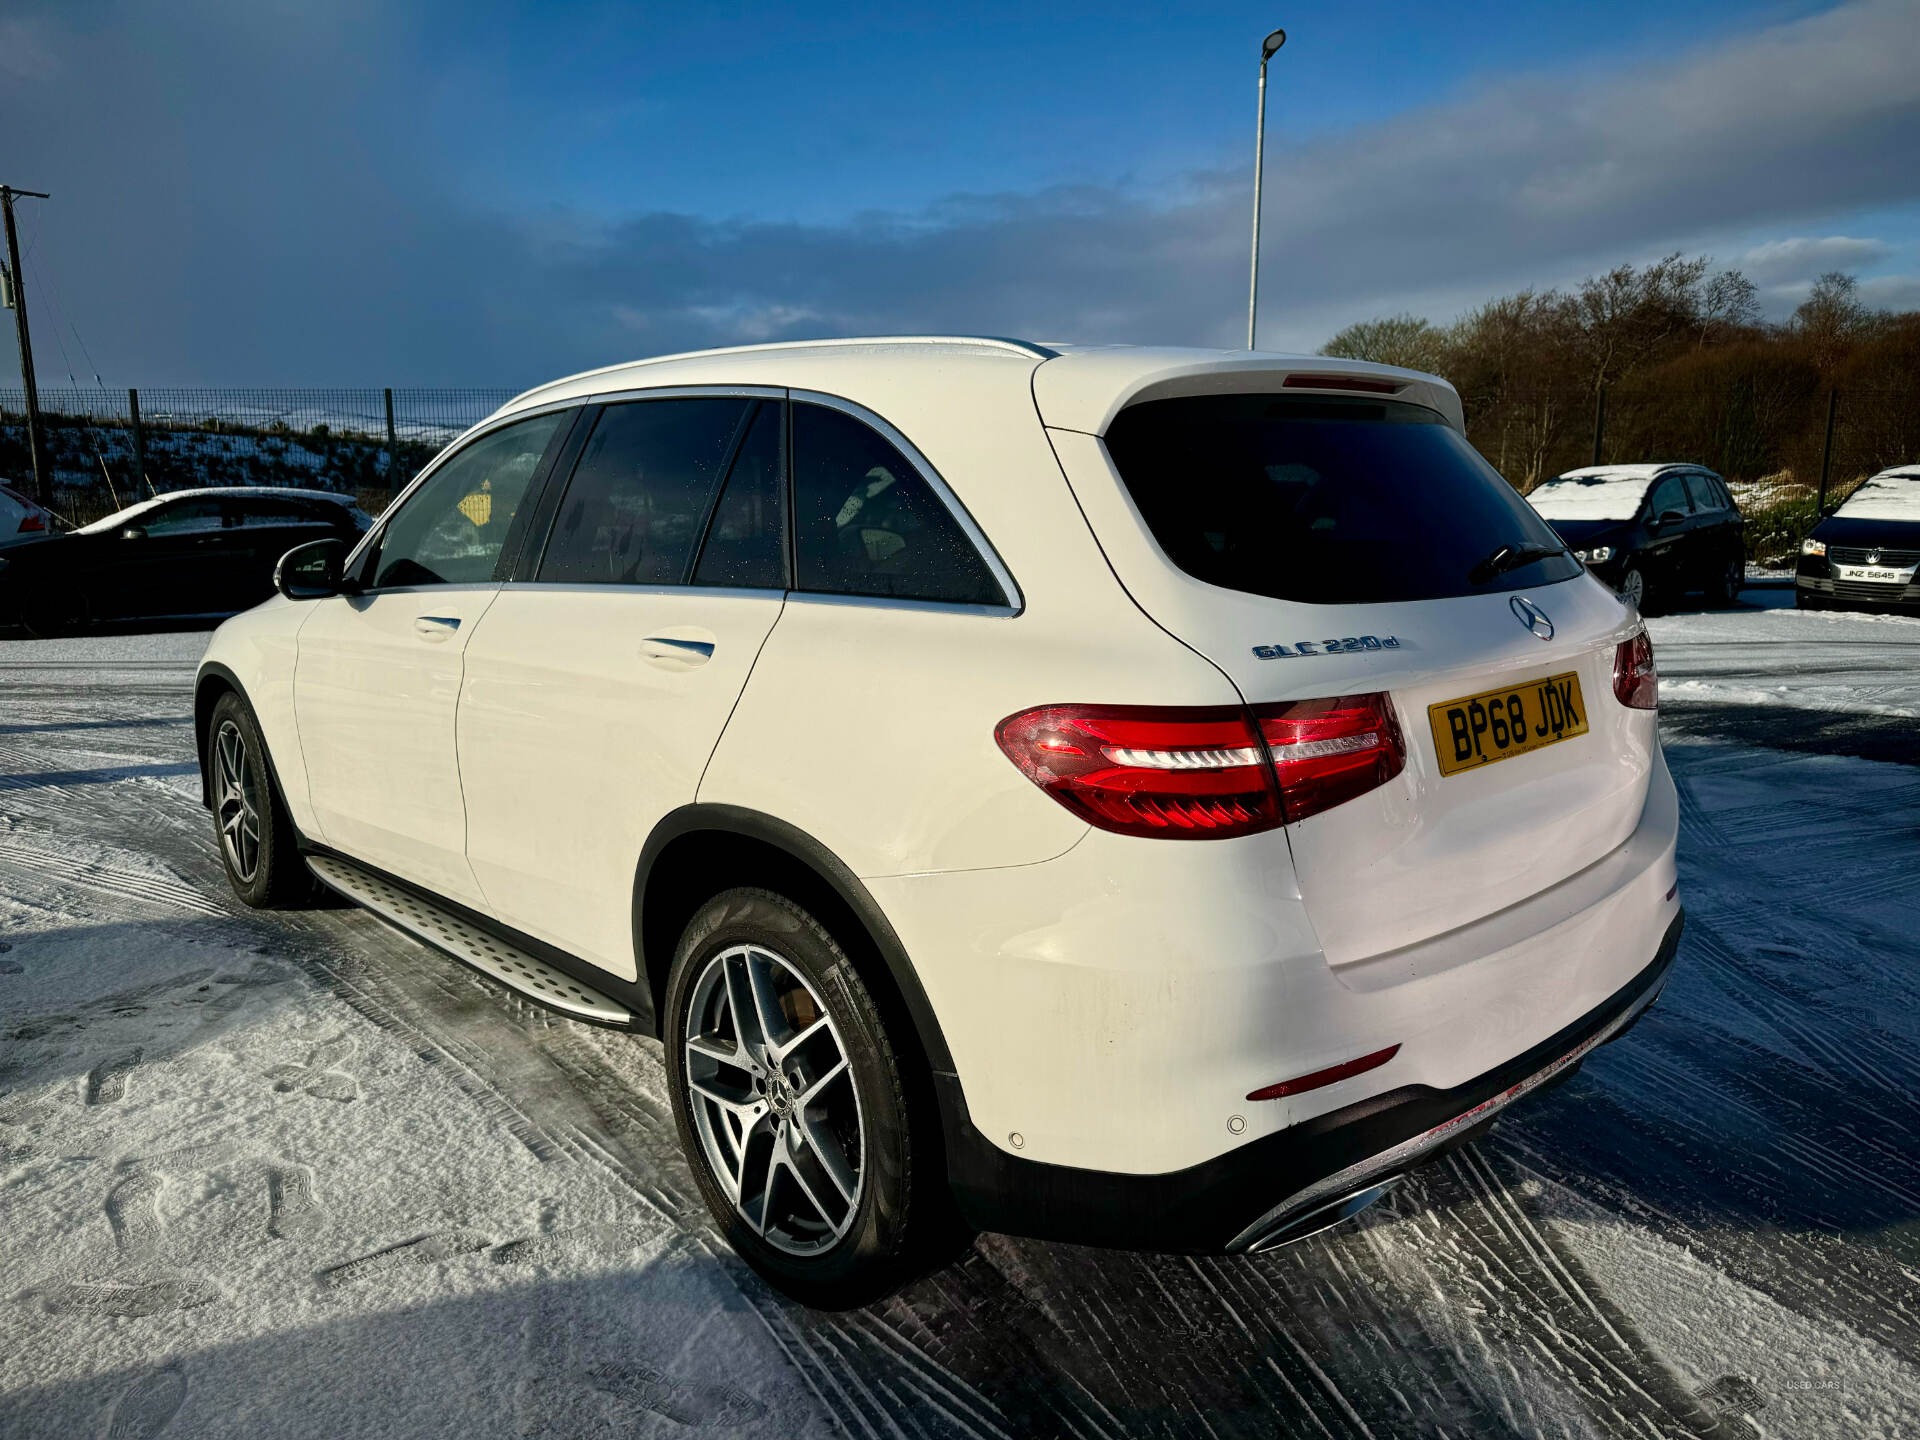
236 800
773 1099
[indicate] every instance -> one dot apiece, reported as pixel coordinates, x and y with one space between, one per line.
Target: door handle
665 649
435 627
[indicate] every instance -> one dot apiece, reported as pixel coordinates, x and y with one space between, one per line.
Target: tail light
1326 752
32 521
1204 773
1636 683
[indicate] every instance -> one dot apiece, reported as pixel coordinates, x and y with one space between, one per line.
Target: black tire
278 876
895 1221
52 613
1631 575
1804 600
1724 591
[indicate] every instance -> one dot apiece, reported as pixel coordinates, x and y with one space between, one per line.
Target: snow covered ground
294 1175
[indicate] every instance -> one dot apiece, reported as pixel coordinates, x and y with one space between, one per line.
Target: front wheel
258 846
790 1102
1633 587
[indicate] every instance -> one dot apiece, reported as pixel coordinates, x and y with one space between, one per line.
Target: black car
190 555
1866 554
1653 532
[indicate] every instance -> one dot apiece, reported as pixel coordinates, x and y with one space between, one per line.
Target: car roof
1075 387
1627 472
121 517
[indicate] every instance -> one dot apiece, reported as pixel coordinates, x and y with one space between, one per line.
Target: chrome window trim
454 447
589 587
1010 588
686 392
890 602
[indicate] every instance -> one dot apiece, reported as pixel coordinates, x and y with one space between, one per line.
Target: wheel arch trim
798 845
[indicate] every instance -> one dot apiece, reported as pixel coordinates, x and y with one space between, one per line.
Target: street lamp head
1272 43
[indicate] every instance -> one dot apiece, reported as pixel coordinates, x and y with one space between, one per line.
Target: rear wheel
1726 587
790 1102
258 846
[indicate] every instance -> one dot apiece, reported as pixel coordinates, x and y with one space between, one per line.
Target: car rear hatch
1331 543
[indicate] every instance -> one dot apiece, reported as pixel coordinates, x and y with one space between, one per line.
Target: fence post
1826 455
1599 420
139 442
393 441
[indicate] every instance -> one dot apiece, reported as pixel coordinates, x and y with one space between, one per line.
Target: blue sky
297 192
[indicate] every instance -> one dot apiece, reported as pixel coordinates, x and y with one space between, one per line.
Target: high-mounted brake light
1636 682
1205 772
1343 382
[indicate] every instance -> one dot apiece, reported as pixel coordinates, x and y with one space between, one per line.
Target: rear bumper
1233 1202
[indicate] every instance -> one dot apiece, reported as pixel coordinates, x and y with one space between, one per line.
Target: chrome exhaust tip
1323 1216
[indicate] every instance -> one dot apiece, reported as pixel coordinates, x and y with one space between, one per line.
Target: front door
595 693
378 674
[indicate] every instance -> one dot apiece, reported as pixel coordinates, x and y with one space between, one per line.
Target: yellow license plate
1477 730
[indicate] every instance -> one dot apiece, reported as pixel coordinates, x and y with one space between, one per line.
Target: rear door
378 673
597 686
1716 530
260 529
1318 548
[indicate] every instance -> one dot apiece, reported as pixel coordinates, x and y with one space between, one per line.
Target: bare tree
1405 340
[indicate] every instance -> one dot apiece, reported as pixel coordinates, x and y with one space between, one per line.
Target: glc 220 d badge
1301 648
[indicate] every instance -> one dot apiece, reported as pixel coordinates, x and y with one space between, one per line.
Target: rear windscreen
1334 501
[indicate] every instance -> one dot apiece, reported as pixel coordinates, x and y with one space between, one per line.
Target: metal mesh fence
108 448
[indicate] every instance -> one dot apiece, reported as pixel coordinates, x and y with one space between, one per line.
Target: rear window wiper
1511 557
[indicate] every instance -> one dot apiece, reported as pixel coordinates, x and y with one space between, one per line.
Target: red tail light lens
33 521
1636 683
1205 773
1190 774
1328 751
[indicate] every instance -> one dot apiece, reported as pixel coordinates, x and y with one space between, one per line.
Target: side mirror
1668 518
134 532
310 571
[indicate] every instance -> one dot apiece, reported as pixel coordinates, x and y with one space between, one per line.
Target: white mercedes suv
1137 797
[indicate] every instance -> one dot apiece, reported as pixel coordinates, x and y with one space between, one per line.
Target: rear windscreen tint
1333 501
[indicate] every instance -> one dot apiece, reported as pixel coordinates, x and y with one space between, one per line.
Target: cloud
262 202
1892 292
1797 260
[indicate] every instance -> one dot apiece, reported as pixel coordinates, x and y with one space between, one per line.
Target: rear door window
866 522
1333 501
746 544
184 517
1704 498
633 511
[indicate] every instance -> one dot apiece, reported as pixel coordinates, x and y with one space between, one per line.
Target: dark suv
1866 555
1653 532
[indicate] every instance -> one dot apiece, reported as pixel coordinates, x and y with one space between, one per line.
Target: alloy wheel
1633 588
237 800
773 1100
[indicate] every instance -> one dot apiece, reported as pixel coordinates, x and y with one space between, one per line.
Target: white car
21 519
1140 797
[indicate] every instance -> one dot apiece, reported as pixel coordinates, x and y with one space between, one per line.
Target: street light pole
1272 43
42 475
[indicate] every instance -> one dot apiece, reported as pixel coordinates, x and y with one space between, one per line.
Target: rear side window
250 513
867 523
1332 501
633 511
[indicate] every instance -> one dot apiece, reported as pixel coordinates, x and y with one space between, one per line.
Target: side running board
467 943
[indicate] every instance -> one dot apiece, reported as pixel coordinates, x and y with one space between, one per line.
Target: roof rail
991 342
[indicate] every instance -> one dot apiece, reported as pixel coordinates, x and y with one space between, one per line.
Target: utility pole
42 480
1267 48
1826 455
